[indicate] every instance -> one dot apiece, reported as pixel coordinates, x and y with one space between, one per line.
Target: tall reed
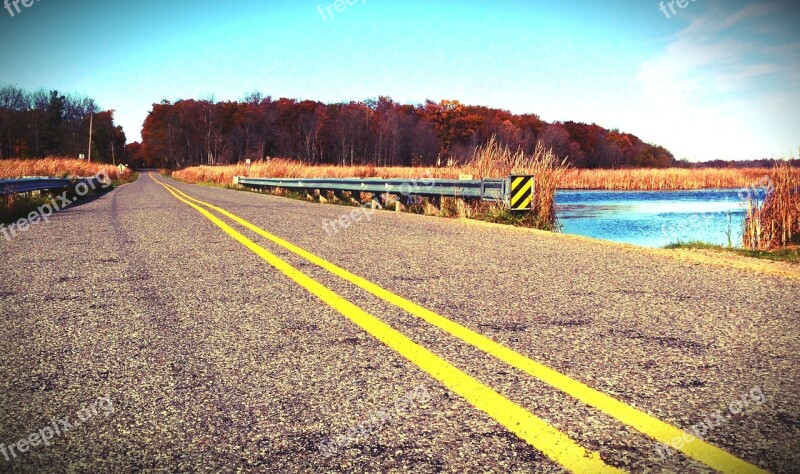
667 179
775 222
493 159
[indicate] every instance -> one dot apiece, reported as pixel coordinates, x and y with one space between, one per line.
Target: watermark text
326 12
13 6
57 427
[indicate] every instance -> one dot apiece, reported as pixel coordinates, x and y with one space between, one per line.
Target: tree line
38 124
378 132
763 163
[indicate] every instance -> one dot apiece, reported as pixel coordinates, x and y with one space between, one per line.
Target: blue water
655 218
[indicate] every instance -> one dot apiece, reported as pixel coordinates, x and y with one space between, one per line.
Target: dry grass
483 166
14 206
281 168
662 179
495 160
775 222
57 168
490 160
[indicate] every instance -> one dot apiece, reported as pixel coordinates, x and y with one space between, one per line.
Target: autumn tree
378 131
41 123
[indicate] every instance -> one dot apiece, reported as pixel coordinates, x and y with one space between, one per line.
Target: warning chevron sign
521 193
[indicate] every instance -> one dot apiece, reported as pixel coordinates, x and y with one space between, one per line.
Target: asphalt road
165 343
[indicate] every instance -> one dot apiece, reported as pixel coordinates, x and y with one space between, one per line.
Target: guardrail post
339 196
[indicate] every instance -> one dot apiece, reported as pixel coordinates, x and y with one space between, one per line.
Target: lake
655 218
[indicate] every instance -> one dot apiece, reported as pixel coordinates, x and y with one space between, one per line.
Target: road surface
144 331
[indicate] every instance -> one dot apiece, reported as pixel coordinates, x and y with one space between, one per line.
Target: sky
712 80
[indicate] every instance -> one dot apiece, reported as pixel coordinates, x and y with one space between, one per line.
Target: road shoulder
700 256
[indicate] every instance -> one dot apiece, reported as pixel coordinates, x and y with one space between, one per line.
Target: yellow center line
535 431
645 423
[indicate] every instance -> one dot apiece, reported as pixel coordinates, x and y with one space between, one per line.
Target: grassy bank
773 223
19 206
789 254
492 159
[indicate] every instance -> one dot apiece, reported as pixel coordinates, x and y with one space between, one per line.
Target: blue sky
716 80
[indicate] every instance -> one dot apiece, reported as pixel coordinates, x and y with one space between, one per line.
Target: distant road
180 328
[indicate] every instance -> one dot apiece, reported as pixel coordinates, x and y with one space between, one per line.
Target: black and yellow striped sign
521 193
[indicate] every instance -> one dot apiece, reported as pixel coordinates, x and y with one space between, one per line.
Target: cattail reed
775 221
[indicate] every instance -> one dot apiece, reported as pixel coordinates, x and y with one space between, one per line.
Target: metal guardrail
485 189
27 185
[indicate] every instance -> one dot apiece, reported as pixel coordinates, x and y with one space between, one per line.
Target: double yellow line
538 433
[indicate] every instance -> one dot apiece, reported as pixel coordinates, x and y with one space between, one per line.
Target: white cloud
723 88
